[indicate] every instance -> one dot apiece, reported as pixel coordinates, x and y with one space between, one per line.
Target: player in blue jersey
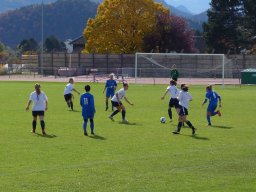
213 98
88 109
111 87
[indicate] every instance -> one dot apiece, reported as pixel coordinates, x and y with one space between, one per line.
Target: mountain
184 9
63 19
7 5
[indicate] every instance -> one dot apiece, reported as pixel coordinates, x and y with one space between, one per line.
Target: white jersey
38 101
121 95
68 89
184 98
173 91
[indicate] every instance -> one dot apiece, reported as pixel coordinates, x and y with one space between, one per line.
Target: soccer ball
162 119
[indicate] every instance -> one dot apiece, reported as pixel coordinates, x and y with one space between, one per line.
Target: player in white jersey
184 98
40 105
68 93
116 102
174 92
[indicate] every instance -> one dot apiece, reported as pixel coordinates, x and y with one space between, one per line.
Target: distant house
78 44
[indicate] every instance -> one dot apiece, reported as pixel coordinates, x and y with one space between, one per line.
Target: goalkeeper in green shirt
174 73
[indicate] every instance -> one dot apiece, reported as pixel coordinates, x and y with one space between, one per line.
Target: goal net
159 65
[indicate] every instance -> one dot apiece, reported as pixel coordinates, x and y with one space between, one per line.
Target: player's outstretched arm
162 98
128 101
76 91
46 105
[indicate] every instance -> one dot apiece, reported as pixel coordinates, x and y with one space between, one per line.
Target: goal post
159 65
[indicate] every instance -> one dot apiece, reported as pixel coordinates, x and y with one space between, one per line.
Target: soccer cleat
111 118
219 113
85 133
33 130
176 132
209 124
193 130
92 133
43 132
125 121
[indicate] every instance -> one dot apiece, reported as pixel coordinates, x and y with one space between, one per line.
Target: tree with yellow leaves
120 26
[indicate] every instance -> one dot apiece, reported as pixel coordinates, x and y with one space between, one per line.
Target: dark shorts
37 113
174 103
68 97
116 104
183 111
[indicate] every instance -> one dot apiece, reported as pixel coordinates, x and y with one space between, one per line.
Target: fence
77 64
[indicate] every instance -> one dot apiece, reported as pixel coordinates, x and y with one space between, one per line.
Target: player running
173 103
88 109
68 93
111 87
116 102
213 98
184 98
40 105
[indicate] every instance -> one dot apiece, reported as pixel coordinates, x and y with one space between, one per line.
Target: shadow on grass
46 136
221 127
199 138
97 137
127 123
74 111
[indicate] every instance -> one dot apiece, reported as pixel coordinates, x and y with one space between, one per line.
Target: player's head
173 66
111 76
172 82
71 80
208 87
182 85
125 85
87 88
37 87
185 88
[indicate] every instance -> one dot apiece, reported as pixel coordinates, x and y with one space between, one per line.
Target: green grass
142 156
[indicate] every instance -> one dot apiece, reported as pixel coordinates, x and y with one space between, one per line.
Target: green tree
53 44
223 30
120 25
28 45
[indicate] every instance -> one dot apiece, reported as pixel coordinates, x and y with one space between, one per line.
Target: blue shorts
110 94
211 108
88 116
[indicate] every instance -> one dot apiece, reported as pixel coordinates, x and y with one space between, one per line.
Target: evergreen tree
223 30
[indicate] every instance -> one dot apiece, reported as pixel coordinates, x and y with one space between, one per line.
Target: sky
195 6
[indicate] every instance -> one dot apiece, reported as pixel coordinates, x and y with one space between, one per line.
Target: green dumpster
248 76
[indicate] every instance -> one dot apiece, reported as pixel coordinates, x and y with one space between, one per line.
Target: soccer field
140 156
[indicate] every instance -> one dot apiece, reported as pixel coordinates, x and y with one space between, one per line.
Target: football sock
123 114
85 124
179 126
68 104
208 119
114 113
92 125
189 124
71 105
34 124
106 104
170 113
42 124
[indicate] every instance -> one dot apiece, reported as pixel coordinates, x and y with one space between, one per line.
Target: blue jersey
213 97
87 104
111 85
